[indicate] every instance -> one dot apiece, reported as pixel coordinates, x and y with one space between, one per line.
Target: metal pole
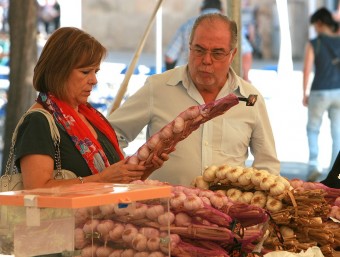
131 68
234 12
159 33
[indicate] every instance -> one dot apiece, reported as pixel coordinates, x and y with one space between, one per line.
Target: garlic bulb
286 231
233 194
245 197
284 180
154 211
273 205
277 188
178 124
234 173
200 183
128 253
139 242
222 171
259 199
129 234
90 226
117 231
166 132
267 182
257 177
79 238
221 192
153 243
177 200
140 254
106 210
218 200
206 193
209 174
139 212
245 178
143 153
249 169
205 200
166 218
153 141
193 203
182 219
149 232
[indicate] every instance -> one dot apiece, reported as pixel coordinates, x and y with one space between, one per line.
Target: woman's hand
305 100
122 172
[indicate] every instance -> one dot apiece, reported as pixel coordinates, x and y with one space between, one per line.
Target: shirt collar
234 83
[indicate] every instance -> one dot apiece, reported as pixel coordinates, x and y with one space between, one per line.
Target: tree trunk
23 56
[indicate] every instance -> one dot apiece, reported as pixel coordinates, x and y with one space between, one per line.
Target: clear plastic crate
91 219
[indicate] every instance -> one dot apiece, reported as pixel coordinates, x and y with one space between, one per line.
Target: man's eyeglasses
217 55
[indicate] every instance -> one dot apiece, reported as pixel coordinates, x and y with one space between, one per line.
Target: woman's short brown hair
67 48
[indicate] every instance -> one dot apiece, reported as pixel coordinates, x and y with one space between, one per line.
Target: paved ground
283 93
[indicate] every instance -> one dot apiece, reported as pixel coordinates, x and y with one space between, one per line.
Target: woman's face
80 84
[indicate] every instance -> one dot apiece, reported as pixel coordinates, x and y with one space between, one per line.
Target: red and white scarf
83 139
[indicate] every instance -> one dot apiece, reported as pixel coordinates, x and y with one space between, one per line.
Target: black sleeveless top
34 137
327 74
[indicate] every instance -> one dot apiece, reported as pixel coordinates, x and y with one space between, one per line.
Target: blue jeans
319 102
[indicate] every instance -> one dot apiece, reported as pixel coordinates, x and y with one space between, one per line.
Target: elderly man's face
210 54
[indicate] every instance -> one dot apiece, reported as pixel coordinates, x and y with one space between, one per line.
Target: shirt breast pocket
236 135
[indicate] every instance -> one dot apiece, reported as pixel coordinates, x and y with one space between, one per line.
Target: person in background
64 76
4 49
49 15
247 55
178 49
206 77
247 36
323 94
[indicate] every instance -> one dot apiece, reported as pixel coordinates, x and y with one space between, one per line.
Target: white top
222 140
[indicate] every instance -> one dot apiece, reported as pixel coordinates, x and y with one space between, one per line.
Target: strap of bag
54 133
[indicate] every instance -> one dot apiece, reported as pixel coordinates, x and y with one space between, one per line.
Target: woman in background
322 52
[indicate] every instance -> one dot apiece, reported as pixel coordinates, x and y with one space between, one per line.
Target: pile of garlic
246 184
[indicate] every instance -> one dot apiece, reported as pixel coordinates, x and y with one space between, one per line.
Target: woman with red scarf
64 76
